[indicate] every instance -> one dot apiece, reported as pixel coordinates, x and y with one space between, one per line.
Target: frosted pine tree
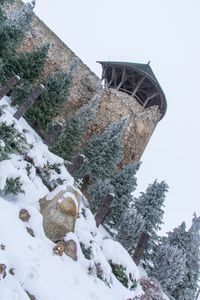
75 126
98 191
130 229
50 103
169 264
104 152
29 65
150 206
189 243
124 183
12 31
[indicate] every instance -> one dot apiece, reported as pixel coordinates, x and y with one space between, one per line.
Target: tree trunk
139 250
103 209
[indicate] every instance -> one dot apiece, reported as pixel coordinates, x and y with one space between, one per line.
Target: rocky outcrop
59 210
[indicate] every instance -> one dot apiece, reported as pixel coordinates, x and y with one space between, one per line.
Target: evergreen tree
50 103
169 264
29 65
150 206
189 243
130 229
13 30
104 152
124 183
75 126
98 191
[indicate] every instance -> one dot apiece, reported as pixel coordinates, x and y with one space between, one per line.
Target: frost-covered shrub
13 186
87 251
12 141
120 273
49 175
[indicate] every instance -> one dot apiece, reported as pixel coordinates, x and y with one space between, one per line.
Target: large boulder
60 209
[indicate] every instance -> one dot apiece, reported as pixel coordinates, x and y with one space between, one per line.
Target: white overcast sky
168 34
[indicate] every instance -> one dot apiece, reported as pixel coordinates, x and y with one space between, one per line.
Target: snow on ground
36 269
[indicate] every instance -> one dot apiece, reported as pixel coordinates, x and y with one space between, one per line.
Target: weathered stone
24 215
30 231
60 213
59 249
30 296
2 271
11 271
70 248
2 247
85 84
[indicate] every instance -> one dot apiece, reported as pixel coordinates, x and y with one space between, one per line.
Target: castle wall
113 104
84 82
141 122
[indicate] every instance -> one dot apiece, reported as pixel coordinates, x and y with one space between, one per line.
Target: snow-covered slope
31 265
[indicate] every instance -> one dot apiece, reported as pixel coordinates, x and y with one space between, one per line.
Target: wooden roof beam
112 76
138 85
149 98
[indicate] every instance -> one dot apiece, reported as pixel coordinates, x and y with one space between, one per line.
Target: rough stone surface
84 84
30 296
60 213
141 121
70 249
59 249
24 215
2 271
30 231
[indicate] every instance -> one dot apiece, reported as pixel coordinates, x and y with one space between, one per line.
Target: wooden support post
55 131
7 87
138 85
149 98
103 209
76 163
112 77
29 101
139 250
123 79
85 183
104 72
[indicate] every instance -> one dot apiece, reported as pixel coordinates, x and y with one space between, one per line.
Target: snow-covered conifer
169 264
104 152
124 183
189 243
130 229
75 126
150 206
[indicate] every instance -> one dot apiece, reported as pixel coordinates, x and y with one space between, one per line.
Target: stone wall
113 104
84 82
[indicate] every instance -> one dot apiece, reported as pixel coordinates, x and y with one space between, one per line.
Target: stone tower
129 89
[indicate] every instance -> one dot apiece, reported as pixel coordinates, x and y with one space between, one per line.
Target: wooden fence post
103 209
55 131
29 101
139 250
7 87
76 163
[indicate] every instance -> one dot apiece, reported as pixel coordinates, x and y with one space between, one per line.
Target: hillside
31 264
